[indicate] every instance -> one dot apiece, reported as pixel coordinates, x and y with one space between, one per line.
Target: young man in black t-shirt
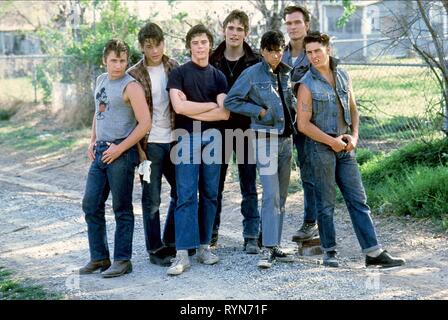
197 91
232 57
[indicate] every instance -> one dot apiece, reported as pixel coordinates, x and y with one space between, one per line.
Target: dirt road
43 238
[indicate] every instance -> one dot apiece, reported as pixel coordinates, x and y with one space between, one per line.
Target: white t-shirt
161 131
293 59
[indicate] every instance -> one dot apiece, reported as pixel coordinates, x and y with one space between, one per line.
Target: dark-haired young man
121 119
232 57
197 91
329 117
297 21
152 72
263 93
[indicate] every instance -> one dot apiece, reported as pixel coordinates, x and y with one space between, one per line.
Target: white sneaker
179 264
206 256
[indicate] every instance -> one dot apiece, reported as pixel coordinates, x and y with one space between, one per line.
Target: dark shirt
288 117
232 70
199 84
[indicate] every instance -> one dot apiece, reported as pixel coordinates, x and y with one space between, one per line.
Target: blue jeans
247 173
159 155
274 176
193 227
118 178
341 169
306 175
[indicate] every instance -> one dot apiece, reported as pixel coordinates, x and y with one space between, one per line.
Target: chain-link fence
398 102
63 83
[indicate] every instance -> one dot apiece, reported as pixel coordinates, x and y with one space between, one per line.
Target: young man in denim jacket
152 73
232 57
297 21
263 93
328 116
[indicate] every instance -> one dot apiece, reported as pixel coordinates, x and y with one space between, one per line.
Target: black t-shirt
232 70
288 117
199 84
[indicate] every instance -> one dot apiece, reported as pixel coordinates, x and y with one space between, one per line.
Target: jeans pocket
323 153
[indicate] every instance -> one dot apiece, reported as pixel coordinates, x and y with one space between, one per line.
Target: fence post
35 82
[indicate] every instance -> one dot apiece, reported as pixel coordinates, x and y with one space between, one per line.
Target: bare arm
304 113
90 151
189 108
135 95
352 139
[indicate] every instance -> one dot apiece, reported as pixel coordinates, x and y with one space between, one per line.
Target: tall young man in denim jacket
152 72
297 21
263 93
197 92
232 57
121 119
328 116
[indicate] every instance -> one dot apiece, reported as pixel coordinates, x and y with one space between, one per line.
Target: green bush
429 154
421 192
410 181
365 155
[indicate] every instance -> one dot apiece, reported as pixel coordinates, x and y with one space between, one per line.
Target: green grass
410 181
365 155
395 128
430 154
11 289
17 89
26 137
393 91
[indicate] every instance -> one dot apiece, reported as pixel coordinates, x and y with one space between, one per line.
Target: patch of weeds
28 138
14 290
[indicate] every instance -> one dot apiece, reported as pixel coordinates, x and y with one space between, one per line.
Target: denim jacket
257 89
299 67
325 109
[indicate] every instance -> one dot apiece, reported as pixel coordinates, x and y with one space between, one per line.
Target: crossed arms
203 111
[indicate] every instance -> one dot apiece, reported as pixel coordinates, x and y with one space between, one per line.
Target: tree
272 11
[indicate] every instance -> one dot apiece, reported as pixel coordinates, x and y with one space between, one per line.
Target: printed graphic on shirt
103 103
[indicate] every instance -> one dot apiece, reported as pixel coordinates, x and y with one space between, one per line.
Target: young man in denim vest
328 116
232 57
152 73
263 93
121 119
297 21
197 91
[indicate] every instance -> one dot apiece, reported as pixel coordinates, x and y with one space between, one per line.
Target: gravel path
43 237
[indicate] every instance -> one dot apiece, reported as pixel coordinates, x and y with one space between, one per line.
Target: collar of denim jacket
334 62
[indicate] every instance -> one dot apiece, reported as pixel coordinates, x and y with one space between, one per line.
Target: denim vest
257 88
325 108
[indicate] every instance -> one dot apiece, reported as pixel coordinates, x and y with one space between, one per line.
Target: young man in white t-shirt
152 72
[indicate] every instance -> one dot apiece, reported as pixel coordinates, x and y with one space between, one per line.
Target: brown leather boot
117 269
93 266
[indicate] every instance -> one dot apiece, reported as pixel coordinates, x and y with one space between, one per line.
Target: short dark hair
197 30
317 36
297 8
116 45
272 40
150 31
237 15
